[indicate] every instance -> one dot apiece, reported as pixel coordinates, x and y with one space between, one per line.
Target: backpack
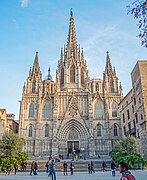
128 177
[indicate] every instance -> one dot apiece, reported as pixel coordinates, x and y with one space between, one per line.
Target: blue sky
27 26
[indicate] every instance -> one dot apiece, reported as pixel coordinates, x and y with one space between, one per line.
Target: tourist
8 169
89 168
32 168
113 167
71 168
22 166
104 166
92 167
15 168
35 167
126 175
47 166
52 169
65 167
25 165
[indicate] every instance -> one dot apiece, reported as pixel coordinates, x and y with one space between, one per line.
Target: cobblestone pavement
140 175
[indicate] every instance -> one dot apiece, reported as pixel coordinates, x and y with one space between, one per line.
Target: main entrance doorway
73 146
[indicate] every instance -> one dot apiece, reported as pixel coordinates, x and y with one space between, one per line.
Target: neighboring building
7 122
3 122
13 124
74 113
133 107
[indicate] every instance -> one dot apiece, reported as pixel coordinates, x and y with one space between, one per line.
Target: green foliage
11 144
11 150
126 150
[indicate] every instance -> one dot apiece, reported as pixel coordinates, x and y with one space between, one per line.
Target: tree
11 144
126 150
139 10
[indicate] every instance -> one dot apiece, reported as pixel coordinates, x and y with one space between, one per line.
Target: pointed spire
108 68
114 71
61 55
72 40
36 68
30 71
82 55
49 77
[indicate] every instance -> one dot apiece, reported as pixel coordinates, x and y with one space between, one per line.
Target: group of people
50 168
91 167
15 165
65 166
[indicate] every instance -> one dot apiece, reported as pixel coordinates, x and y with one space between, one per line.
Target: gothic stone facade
73 112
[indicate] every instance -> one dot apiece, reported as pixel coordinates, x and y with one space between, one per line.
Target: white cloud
24 3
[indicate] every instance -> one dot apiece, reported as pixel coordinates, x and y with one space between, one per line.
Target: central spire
72 40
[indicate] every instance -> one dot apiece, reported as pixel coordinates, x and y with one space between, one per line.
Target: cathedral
72 113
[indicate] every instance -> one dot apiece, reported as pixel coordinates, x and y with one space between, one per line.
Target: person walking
126 174
65 167
52 169
92 167
47 167
22 166
15 168
104 166
35 167
113 167
71 168
8 169
25 165
32 168
89 168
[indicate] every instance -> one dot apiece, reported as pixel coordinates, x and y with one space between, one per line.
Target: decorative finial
107 52
71 12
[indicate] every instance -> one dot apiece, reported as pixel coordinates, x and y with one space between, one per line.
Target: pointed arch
46 131
73 135
82 76
34 86
30 133
62 76
72 74
116 130
112 85
98 110
99 130
47 110
114 109
31 110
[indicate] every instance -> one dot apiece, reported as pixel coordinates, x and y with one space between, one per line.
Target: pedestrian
89 168
126 174
15 168
47 167
8 169
65 167
52 169
92 167
104 166
71 168
25 165
22 166
113 167
32 168
35 167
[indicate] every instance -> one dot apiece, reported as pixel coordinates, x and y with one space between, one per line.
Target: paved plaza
140 175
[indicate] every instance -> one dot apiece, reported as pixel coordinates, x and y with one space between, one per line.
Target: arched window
62 76
34 87
98 110
114 109
112 85
47 111
31 110
46 131
99 130
115 130
30 131
72 74
97 87
82 76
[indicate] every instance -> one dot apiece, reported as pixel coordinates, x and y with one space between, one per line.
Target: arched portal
73 137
